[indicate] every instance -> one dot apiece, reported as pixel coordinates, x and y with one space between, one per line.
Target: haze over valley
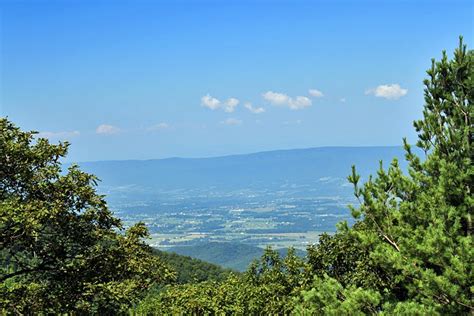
283 198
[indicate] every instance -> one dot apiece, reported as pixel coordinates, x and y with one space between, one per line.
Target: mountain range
256 170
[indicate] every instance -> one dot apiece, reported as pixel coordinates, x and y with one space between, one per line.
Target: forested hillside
410 251
191 270
236 256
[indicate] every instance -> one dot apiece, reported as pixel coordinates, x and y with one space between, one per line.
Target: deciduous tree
61 248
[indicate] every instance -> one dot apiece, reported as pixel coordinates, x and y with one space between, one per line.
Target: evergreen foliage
419 225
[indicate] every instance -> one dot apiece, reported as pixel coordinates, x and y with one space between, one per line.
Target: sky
155 79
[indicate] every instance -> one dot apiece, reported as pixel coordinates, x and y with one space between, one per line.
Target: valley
283 198
245 217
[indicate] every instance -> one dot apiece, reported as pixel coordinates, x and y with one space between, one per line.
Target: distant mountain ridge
300 166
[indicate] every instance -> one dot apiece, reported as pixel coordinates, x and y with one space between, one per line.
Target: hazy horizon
233 154
142 80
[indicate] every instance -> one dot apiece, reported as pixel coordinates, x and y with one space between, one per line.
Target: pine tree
419 225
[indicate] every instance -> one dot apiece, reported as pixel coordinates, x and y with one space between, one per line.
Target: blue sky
153 79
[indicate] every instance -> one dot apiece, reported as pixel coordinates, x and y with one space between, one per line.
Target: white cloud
297 103
158 127
210 102
388 91
231 121
343 100
230 105
213 103
276 98
315 93
255 110
105 129
59 135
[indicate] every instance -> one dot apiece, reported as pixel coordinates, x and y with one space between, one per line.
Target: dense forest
410 251
192 270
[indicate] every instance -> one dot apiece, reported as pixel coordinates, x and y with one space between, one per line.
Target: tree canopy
419 225
62 249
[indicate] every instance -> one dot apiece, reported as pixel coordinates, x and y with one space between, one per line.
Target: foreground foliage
61 249
411 250
263 289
